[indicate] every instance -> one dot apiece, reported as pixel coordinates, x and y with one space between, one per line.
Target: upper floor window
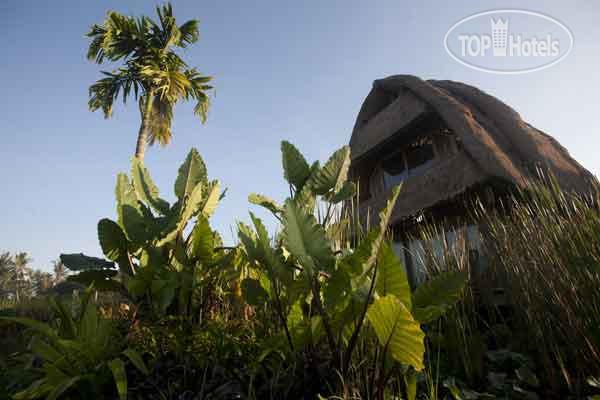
413 160
394 170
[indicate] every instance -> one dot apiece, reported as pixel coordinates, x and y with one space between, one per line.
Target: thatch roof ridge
492 134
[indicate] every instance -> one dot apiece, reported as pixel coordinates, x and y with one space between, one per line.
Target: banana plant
321 289
79 355
160 261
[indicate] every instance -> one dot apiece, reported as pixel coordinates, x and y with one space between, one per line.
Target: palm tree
152 72
6 272
21 270
60 272
41 281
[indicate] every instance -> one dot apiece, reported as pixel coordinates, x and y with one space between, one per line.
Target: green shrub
78 355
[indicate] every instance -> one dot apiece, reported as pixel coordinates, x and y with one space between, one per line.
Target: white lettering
463 41
486 42
554 48
515 45
474 39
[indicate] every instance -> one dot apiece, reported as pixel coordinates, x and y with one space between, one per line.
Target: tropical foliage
320 308
79 354
323 290
166 254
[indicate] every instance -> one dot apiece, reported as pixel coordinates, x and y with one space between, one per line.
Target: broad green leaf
253 292
81 262
145 188
306 198
112 239
201 243
249 241
264 253
88 326
334 173
295 168
347 190
265 202
125 195
191 173
391 276
100 278
134 224
306 239
434 297
212 200
67 327
410 381
397 331
191 207
136 360
117 367
355 261
336 287
384 218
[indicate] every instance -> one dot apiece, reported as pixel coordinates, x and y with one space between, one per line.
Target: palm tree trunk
142 139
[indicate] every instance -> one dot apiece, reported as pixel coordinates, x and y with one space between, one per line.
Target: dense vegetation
323 307
320 308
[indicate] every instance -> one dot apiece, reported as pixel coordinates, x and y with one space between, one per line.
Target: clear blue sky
296 70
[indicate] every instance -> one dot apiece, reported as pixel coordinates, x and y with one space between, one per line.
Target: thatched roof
495 142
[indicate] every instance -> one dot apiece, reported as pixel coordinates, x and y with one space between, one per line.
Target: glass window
394 170
418 158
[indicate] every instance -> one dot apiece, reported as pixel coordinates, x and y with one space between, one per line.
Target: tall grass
545 250
538 292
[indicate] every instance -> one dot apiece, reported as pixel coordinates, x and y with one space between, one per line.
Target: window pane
419 155
394 170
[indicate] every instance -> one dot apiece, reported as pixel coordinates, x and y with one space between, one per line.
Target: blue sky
295 70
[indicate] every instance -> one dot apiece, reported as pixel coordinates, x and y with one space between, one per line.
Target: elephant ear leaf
212 199
81 262
101 279
130 214
145 188
125 195
378 235
114 244
201 241
191 173
265 202
306 239
434 297
334 173
391 276
397 331
347 190
295 168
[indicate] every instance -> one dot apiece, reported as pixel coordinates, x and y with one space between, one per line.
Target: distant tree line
19 280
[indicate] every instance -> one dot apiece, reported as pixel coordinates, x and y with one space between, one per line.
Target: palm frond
118 37
105 91
189 33
160 122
